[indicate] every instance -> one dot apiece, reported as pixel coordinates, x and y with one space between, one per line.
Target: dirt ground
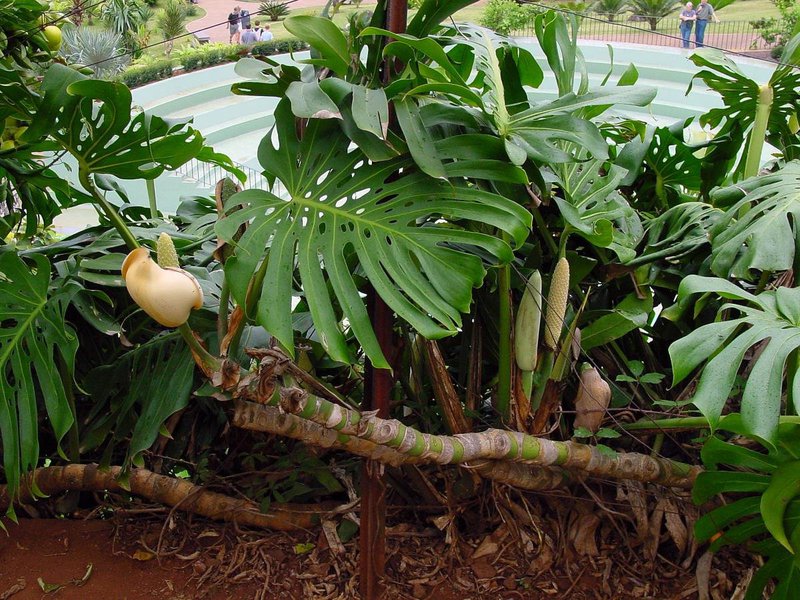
175 558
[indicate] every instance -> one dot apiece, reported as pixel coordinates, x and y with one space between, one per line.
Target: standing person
688 16
233 25
266 34
244 18
704 12
249 37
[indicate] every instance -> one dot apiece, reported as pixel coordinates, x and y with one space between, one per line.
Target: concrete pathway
217 11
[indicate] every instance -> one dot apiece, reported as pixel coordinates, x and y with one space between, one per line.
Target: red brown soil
201 560
59 551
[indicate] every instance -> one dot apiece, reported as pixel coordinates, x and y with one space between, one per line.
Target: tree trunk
269 419
159 488
493 444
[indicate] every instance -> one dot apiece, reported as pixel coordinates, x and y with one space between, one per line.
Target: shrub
275 47
143 74
505 16
209 55
275 10
101 49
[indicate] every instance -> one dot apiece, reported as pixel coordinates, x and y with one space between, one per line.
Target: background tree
125 17
170 21
610 8
653 10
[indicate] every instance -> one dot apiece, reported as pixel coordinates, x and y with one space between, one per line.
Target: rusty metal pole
377 393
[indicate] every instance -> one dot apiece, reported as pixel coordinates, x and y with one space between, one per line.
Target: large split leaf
772 316
34 339
759 228
133 396
92 120
740 98
678 232
410 234
595 210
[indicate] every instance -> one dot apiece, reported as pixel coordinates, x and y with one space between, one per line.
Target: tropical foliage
101 50
425 171
653 10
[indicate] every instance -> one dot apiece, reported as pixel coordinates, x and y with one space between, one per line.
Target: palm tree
653 10
610 8
124 16
170 21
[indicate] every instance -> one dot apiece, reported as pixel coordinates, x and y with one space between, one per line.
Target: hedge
207 55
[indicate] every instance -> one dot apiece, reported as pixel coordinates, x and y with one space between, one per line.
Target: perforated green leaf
722 346
763 236
411 235
92 119
34 337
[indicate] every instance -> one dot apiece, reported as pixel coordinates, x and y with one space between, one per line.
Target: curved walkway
217 12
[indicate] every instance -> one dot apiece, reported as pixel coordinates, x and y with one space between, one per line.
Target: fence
729 35
207 175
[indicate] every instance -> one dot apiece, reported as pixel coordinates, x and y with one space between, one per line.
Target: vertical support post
377 393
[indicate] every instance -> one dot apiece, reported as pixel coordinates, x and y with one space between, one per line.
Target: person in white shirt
266 34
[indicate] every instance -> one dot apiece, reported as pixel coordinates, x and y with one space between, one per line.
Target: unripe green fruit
53 35
526 326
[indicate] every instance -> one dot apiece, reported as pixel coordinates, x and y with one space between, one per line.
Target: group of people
697 18
243 31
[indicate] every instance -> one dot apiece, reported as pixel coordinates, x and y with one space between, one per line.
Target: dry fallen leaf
143 555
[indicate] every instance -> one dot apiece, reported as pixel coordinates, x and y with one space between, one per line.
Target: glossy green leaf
33 339
757 231
325 37
677 232
711 483
724 344
716 452
92 120
718 519
595 210
340 211
783 488
631 313
309 101
139 390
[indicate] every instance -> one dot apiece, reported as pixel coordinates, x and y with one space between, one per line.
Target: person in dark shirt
234 25
705 13
244 18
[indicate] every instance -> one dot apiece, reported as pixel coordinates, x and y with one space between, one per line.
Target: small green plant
764 514
102 49
275 10
636 368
